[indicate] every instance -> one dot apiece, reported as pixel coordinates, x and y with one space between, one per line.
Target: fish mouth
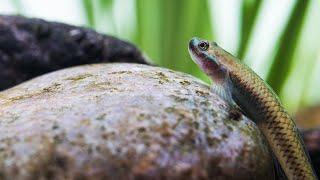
193 47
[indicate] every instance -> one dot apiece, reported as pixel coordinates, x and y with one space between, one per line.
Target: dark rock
31 47
308 120
312 141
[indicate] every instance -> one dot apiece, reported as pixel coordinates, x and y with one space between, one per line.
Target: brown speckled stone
125 121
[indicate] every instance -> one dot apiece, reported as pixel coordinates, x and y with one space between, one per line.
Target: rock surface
125 121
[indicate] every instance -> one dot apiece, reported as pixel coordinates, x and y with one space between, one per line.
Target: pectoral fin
225 93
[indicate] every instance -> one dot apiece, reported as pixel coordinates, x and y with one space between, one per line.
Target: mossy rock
125 121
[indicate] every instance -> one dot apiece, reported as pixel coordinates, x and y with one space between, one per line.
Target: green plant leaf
89 12
106 7
148 32
166 26
249 12
281 64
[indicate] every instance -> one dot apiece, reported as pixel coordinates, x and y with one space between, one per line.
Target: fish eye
203 45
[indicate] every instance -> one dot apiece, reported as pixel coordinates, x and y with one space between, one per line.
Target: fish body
242 87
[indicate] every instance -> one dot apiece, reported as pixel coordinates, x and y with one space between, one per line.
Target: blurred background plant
278 39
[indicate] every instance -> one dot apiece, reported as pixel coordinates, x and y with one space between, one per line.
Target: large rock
125 121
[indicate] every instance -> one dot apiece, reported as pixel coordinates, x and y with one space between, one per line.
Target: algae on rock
125 121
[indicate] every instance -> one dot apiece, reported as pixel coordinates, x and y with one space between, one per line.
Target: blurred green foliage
287 44
249 12
162 29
